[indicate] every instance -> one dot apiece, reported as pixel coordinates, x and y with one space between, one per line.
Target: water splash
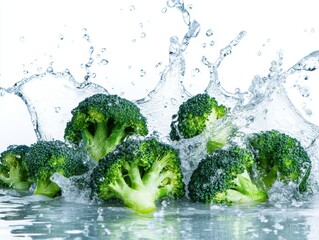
50 97
162 103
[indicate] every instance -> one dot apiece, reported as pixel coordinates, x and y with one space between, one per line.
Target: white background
135 34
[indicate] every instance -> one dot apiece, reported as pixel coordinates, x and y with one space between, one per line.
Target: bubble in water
143 35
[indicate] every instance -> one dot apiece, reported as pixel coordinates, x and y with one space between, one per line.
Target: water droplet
142 73
25 71
158 64
21 39
103 50
209 32
61 37
140 25
204 45
143 35
104 62
190 6
57 109
304 92
212 43
131 8
133 40
173 101
49 69
171 3
91 50
164 10
259 53
87 37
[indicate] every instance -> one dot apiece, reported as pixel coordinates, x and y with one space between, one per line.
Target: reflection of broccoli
139 173
195 115
222 177
103 121
279 156
13 172
48 157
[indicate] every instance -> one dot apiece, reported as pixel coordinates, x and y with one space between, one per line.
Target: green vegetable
13 172
48 157
102 121
195 115
139 172
223 178
279 157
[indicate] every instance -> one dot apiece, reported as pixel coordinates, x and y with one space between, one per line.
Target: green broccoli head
139 172
281 157
13 172
222 177
102 121
48 157
195 115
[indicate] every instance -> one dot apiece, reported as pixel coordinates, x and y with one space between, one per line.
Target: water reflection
42 218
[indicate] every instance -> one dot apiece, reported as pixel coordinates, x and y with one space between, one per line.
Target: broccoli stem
47 188
104 139
142 199
15 179
244 191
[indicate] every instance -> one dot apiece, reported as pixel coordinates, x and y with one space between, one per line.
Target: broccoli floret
281 157
13 172
195 115
103 121
138 173
48 157
223 178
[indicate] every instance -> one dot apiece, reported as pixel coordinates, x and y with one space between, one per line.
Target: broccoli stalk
102 121
139 173
47 188
13 172
244 190
102 142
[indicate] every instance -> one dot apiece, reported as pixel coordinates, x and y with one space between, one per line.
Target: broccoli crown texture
222 177
194 115
13 172
139 172
281 157
103 121
48 157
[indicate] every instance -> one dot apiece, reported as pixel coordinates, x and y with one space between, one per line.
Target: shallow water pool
36 217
